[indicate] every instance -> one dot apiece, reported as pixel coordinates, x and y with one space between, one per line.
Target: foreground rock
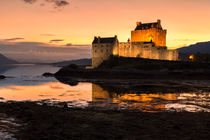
47 74
48 122
2 77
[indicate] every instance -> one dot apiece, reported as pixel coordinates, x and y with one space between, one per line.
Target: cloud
56 40
69 44
14 39
56 3
30 1
43 52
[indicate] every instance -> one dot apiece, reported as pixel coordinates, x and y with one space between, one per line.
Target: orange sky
187 21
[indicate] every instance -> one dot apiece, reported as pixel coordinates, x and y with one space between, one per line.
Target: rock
44 104
2 77
65 106
69 81
47 74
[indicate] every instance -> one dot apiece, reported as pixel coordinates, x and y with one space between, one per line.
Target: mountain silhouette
82 62
6 61
202 47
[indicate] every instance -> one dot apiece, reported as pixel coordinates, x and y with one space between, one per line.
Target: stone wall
146 50
102 52
158 36
128 49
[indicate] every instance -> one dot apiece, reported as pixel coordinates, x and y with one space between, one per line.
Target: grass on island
122 63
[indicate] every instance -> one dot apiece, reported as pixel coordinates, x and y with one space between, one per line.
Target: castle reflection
120 100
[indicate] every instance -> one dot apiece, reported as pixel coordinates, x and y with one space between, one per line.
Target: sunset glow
55 90
79 21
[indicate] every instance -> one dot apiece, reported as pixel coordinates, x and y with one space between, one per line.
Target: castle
148 40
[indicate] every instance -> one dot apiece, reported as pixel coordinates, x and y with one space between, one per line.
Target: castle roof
147 26
104 40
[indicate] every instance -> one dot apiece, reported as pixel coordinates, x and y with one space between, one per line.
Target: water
27 84
8 127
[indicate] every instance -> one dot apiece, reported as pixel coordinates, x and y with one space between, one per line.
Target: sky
66 22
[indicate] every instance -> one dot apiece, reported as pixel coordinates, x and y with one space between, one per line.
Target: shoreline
49 122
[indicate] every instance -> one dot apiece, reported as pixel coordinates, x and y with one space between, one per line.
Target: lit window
191 57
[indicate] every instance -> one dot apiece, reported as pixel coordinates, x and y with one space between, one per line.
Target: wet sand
50 122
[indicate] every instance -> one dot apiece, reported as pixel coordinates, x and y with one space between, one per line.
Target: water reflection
27 84
23 75
106 97
26 70
151 102
53 91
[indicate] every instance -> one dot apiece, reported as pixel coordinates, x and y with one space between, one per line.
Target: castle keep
148 40
149 32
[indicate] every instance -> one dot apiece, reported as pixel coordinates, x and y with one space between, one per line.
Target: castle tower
103 48
149 32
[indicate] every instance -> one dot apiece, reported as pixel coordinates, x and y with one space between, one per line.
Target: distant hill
82 62
6 61
202 47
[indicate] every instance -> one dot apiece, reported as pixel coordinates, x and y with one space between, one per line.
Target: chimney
99 40
138 23
159 21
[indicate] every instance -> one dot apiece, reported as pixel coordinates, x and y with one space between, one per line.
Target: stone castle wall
146 50
101 52
156 35
128 49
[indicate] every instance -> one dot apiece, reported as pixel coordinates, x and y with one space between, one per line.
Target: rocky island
136 68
